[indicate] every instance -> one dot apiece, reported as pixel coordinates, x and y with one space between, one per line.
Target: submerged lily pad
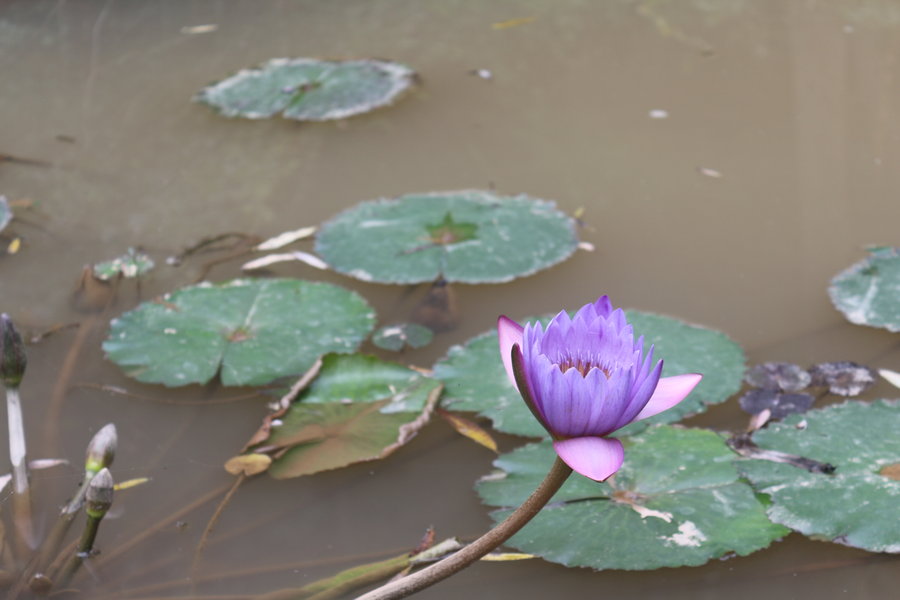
395 337
359 408
676 501
309 89
476 381
6 214
778 404
133 263
843 378
857 504
465 236
867 292
786 377
252 331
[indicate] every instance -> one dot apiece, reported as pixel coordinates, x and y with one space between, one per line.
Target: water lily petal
593 457
510 333
669 392
520 375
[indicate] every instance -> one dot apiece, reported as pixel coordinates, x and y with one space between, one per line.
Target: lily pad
465 236
395 337
133 263
867 292
676 501
475 380
6 214
251 331
359 408
308 89
857 504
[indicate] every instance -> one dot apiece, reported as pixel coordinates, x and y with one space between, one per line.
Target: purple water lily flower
586 377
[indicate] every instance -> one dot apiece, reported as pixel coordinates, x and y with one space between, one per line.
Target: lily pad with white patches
867 292
676 501
467 236
250 331
309 89
856 505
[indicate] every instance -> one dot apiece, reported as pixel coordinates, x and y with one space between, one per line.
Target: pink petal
593 457
669 392
509 333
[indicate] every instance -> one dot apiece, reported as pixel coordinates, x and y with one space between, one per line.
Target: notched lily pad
476 381
780 405
308 89
857 504
395 337
133 263
867 292
358 409
465 236
843 378
677 501
251 331
783 376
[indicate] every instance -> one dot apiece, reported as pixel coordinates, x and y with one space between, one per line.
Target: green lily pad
252 331
395 337
676 501
6 214
867 292
476 381
857 504
131 264
359 408
308 89
465 236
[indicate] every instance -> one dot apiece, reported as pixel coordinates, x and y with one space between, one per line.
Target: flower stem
21 489
420 580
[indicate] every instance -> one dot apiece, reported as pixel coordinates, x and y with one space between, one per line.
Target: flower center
583 366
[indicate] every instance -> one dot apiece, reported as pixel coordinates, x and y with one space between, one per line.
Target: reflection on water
792 104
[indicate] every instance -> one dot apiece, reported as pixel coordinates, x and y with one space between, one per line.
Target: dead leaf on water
506 556
248 464
470 429
283 239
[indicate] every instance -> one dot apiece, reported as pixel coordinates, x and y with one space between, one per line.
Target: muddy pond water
729 158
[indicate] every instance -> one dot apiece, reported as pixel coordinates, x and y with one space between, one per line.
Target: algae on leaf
308 89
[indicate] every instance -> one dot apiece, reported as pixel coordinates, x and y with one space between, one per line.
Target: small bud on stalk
12 353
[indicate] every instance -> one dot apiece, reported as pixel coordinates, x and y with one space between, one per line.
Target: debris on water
659 113
197 29
709 172
482 73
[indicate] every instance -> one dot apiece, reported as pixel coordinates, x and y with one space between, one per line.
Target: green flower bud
99 494
102 449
